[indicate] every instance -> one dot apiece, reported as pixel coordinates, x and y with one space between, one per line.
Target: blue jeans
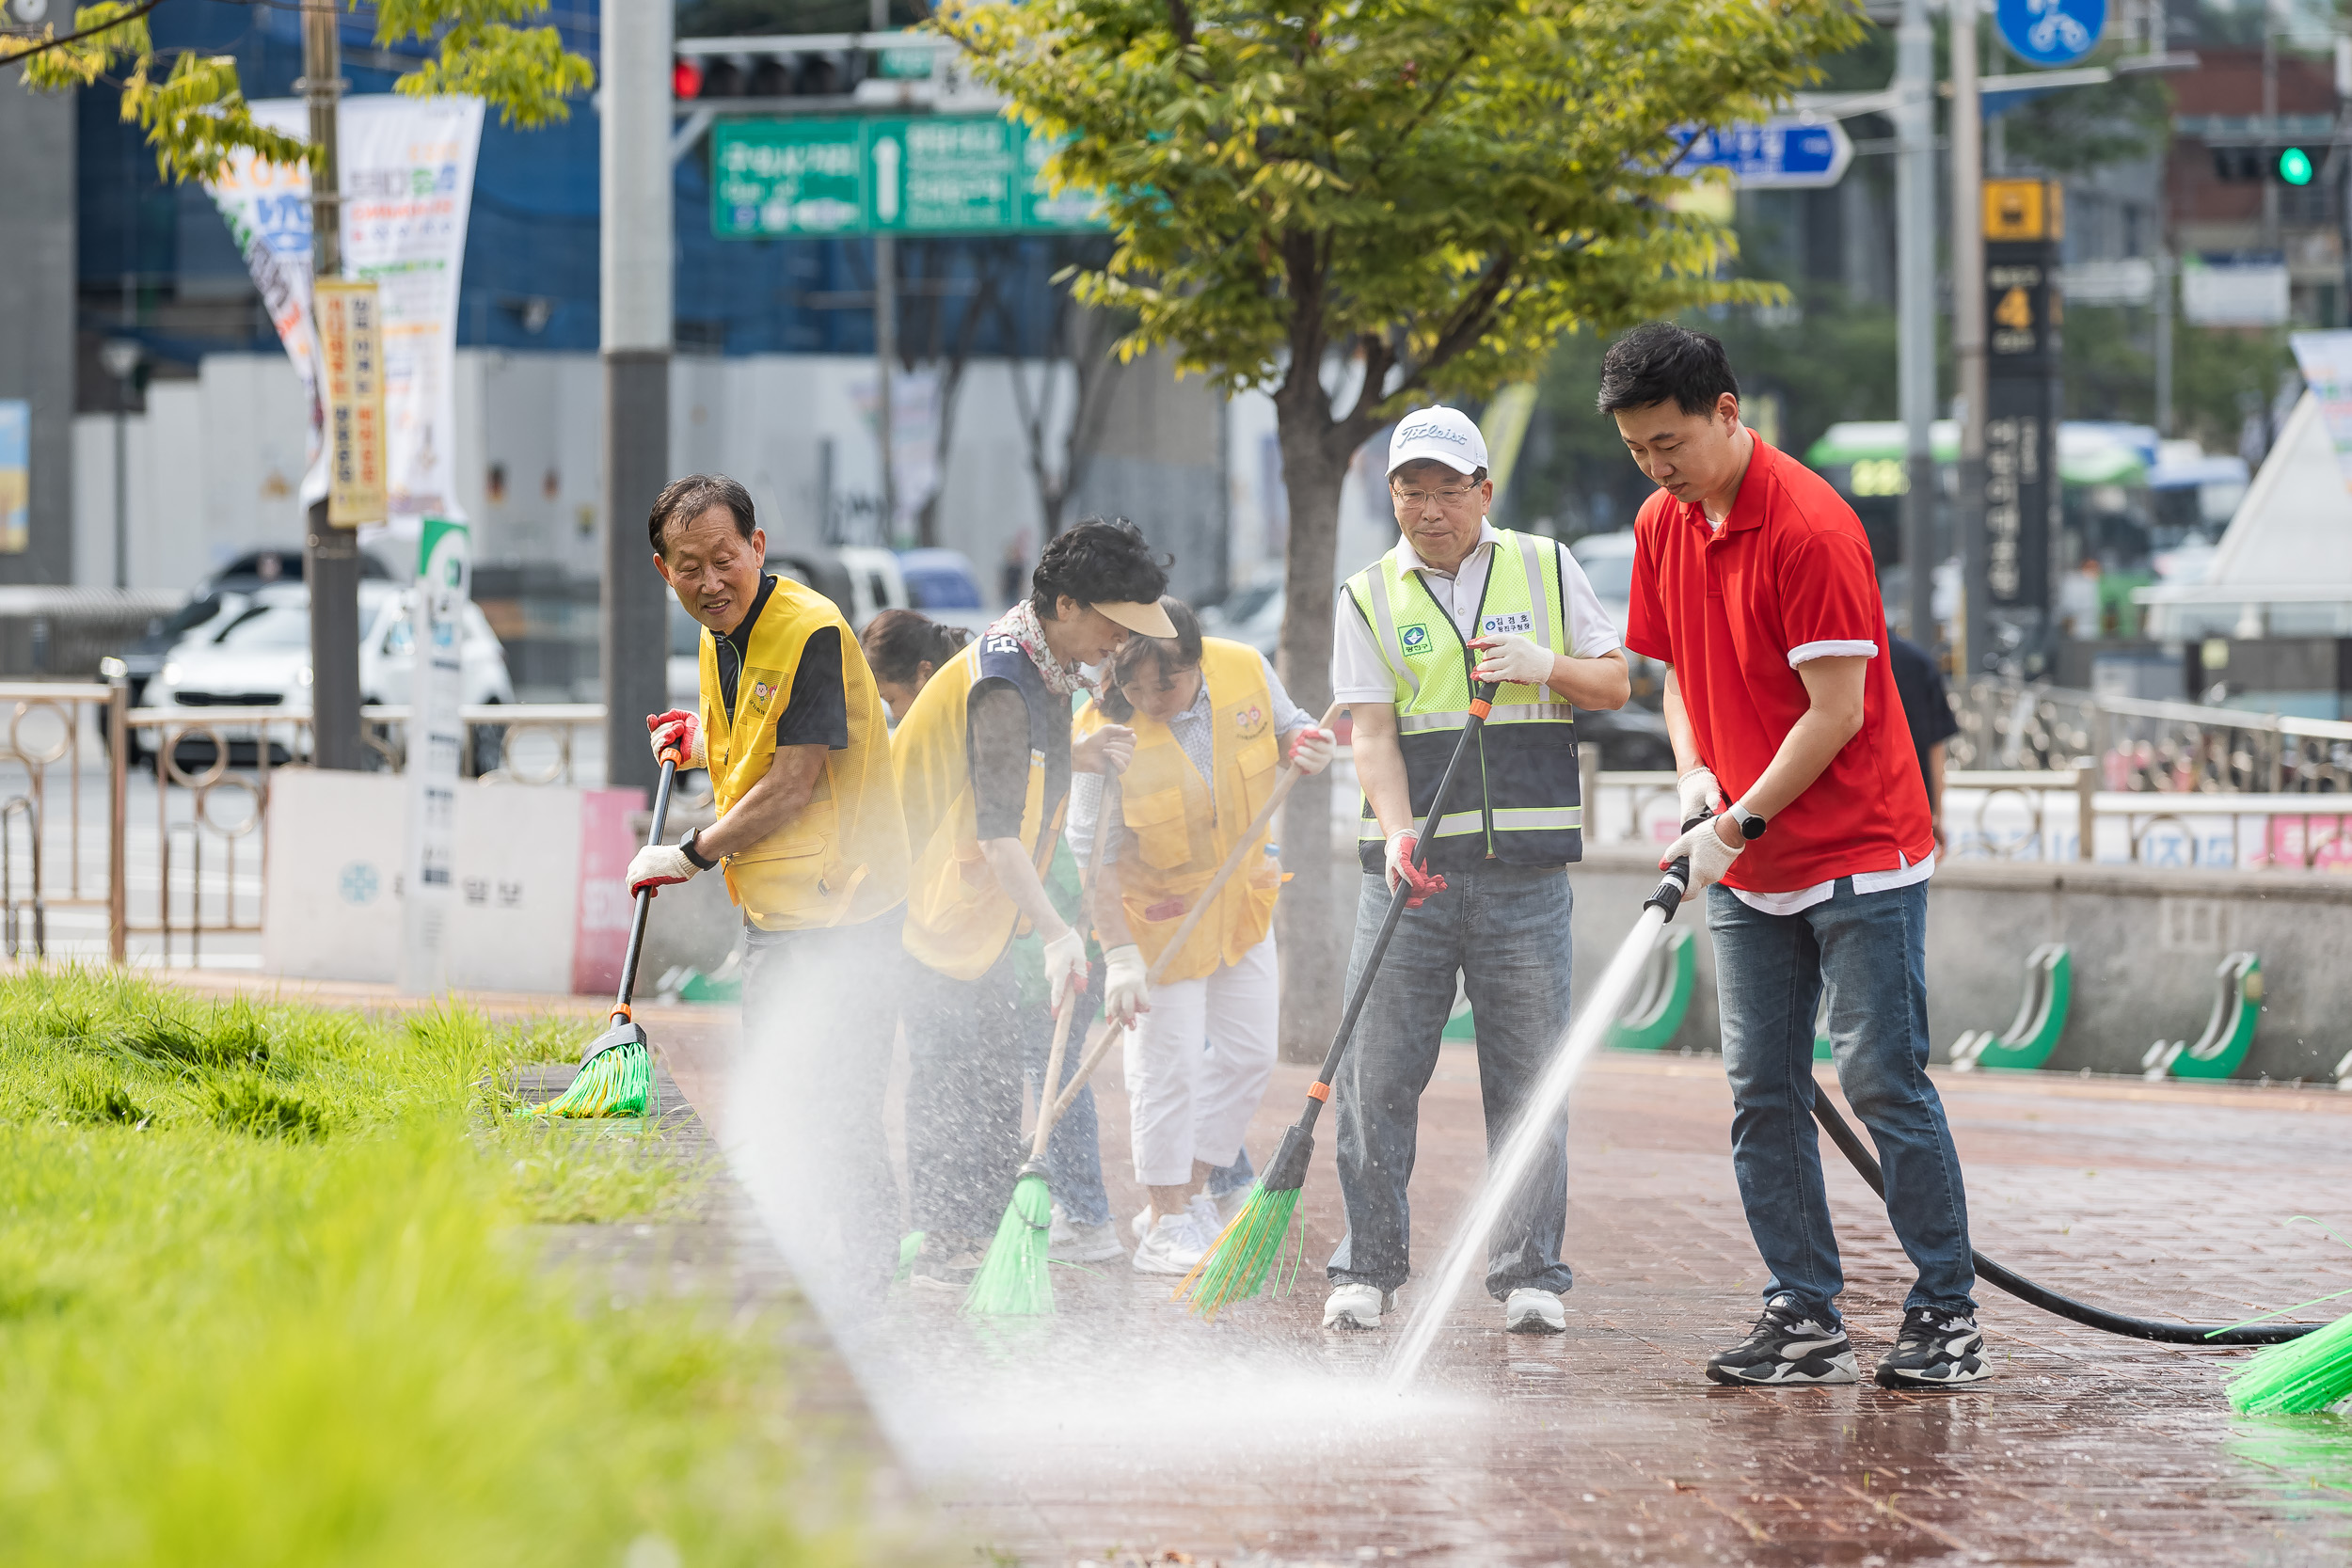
1503 929
1073 1155
1868 953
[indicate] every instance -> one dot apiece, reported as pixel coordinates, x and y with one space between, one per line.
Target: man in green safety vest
1459 600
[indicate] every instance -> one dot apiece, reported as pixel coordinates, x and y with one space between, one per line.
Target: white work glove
657 866
1126 992
1399 859
1311 750
1699 793
680 728
1065 966
1711 857
1513 659
1108 750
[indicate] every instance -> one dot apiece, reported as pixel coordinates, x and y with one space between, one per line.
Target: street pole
1973 628
886 339
330 566
635 311
2270 120
2163 303
1914 231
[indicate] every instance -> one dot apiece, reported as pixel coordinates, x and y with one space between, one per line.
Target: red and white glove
1698 794
657 866
1400 857
1065 966
1711 857
1127 986
680 728
1311 750
1513 659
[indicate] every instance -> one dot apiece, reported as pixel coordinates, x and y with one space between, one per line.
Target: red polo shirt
1788 579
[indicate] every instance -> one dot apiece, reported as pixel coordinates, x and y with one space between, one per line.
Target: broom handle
1049 1109
1100 1046
644 896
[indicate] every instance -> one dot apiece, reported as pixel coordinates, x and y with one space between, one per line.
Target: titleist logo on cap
1443 432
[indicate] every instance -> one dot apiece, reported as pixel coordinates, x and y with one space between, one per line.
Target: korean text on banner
351 350
437 737
407 169
2326 361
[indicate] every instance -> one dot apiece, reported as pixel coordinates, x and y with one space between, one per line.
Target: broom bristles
1247 1251
2302 1375
1016 1278
614 1082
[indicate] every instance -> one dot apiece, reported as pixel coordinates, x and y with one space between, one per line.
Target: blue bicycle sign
2051 32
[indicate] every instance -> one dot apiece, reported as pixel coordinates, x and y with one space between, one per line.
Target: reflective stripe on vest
1528 811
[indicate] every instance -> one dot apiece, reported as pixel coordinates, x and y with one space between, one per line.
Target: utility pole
886 339
635 311
1914 275
2163 303
331 564
1974 626
2270 120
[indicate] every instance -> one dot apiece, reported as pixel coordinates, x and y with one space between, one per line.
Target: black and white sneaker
1786 1347
1934 1349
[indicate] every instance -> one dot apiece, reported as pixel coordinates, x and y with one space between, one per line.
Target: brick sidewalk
1125 1428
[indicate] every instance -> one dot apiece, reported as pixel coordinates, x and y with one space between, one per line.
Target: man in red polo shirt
1753 583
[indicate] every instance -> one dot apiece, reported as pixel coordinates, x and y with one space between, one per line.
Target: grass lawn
267 1296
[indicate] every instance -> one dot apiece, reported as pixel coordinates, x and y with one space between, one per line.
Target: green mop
2303 1375
615 1077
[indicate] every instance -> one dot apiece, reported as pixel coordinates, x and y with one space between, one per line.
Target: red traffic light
686 78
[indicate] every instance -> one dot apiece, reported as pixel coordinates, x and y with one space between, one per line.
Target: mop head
615 1079
1015 1278
1247 1251
2302 1375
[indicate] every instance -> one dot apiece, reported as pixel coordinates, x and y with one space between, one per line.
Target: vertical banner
351 356
408 170
437 738
2023 221
16 475
2326 361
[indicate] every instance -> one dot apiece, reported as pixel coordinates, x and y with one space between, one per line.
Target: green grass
268 1295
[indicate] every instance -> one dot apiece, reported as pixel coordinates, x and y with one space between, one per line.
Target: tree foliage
193 108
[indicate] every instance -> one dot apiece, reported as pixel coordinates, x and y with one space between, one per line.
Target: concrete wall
37 309
2145 945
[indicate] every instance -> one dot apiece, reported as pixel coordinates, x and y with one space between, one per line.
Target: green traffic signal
2295 167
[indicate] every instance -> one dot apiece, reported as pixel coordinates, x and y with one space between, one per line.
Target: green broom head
2305 1375
1249 1249
1015 1278
615 1078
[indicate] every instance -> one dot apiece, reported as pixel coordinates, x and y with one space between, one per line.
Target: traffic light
801 73
2289 166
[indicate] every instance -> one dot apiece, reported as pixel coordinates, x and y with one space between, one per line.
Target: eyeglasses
1450 497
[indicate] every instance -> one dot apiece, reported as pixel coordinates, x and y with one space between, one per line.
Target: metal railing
2171 748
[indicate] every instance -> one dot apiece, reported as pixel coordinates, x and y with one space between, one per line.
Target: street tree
1364 206
193 109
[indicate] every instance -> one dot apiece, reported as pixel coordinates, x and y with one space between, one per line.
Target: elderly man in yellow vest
1212 724
814 849
1456 601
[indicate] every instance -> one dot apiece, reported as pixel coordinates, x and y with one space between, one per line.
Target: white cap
1439 434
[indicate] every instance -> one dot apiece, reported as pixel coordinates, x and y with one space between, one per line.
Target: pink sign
606 843
2320 842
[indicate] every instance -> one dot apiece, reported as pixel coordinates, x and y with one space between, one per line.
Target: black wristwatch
693 851
1751 826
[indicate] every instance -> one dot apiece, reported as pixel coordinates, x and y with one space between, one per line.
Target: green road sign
924 174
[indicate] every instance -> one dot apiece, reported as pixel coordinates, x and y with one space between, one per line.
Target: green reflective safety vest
1518 800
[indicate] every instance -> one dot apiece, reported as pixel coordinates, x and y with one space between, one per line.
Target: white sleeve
1288 715
1358 674
1086 808
1591 633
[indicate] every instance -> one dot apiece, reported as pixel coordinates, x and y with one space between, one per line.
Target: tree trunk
1313 947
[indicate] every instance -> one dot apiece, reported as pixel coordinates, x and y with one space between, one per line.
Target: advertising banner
408 168
351 353
437 743
2326 361
16 475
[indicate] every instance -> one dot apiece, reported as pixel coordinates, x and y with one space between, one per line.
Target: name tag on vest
1522 622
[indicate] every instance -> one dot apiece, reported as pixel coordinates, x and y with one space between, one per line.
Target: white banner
2326 361
437 738
407 167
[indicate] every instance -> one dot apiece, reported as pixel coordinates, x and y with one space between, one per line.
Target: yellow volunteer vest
842 859
1182 826
957 919
1526 810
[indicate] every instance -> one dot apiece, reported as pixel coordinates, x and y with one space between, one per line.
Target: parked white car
387 656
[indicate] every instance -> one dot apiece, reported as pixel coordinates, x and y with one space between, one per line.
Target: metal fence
2174 747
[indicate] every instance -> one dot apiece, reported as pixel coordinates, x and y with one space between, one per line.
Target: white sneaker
1083 1243
1356 1307
1529 1310
1172 1245
1228 1204
1208 1217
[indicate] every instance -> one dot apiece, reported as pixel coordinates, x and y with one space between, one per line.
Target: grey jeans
1503 929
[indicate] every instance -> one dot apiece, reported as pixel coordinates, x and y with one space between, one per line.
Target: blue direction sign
2050 32
1779 155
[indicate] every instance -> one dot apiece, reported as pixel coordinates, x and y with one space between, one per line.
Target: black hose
1842 1135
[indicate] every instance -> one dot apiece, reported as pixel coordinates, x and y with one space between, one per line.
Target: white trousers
1198 1064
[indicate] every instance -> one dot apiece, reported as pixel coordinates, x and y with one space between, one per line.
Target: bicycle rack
2041 1018
2229 1032
2344 1073
1667 981
12 911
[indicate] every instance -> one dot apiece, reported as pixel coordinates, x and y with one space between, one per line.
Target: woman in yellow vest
984 760
1212 724
813 849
